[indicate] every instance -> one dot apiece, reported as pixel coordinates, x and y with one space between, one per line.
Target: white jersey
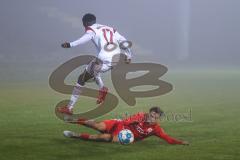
102 35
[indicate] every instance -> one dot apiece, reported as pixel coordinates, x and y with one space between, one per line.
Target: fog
177 33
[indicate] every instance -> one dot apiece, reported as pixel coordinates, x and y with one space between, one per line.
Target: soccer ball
125 136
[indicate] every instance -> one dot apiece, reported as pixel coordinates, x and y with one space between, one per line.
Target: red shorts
113 126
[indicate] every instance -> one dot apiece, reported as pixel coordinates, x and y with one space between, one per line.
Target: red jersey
142 129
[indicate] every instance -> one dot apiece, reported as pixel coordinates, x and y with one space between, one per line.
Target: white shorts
95 67
111 57
104 62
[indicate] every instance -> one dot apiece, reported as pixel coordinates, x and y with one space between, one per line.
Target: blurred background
180 34
197 40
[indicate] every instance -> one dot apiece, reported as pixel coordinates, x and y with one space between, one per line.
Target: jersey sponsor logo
149 130
141 129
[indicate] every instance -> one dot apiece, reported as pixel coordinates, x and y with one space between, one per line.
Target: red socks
81 121
84 136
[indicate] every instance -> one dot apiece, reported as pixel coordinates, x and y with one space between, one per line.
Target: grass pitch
30 130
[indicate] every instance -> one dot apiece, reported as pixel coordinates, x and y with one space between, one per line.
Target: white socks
99 81
77 90
75 95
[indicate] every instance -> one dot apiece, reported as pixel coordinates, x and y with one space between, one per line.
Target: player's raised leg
85 76
101 67
99 126
91 137
102 89
106 126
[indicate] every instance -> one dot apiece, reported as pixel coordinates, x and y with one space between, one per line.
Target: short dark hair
89 19
157 110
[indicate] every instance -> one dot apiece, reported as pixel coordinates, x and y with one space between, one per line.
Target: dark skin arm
66 45
127 61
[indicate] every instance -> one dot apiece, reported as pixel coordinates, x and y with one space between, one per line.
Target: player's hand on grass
185 143
66 45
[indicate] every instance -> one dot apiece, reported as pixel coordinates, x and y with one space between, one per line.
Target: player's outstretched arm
159 132
185 143
66 45
85 38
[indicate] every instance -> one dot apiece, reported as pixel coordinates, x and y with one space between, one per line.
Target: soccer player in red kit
141 124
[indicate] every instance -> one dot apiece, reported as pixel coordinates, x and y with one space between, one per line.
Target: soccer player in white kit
103 37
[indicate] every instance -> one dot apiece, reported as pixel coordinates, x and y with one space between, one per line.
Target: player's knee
114 139
81 80
84 77
107 137
100 126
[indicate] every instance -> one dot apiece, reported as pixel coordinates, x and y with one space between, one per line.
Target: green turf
30 130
